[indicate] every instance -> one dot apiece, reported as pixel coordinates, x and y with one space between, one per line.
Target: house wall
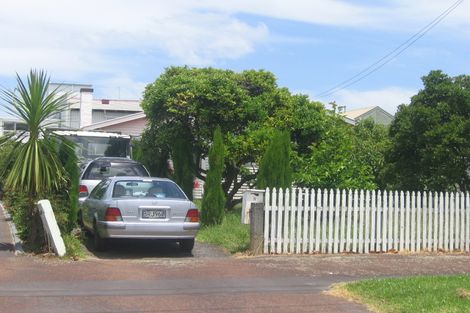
74 120
133 128
83 110
378 116
9 125
86 104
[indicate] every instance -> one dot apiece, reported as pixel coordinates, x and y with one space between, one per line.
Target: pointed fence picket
341 221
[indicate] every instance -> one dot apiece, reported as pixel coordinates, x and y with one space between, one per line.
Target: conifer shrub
213 201
183 164
275 169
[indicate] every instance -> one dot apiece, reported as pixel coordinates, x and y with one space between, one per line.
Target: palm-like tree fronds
37 167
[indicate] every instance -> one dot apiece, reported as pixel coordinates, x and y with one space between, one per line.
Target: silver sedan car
141 208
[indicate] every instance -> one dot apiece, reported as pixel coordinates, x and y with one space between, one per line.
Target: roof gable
115 121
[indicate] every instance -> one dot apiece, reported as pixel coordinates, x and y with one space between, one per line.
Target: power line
391 55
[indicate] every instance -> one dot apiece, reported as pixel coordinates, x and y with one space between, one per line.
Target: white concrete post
50 226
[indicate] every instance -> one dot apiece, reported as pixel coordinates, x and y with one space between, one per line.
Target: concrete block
51 227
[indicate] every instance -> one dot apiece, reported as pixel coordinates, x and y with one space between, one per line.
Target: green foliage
248 106
36 170
64 201
6 159
274 168
430 142
183 163
231 234
336 161
430 294
213 202
74 246
151 152
71 192
371 142
19 206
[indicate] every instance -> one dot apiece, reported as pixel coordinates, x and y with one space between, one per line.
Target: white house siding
133 128
84 111
378 117
198 190
74 118
104 115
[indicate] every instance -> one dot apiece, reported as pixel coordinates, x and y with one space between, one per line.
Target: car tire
80 218
187 245
86 231
100 244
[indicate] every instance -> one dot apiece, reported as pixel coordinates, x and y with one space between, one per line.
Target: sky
311 46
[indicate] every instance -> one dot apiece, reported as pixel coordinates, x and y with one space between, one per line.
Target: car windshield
89 147
147 189
100 170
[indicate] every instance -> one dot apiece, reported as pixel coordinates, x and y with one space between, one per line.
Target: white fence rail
339 221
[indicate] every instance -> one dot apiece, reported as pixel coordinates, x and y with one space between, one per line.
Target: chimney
86 102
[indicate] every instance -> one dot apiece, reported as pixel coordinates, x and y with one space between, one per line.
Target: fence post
257 228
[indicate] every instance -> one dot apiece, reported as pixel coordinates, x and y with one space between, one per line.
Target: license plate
153 213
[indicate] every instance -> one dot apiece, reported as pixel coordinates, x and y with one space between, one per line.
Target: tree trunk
36 240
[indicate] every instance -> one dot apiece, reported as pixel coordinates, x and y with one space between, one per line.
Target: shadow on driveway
6 246
139 249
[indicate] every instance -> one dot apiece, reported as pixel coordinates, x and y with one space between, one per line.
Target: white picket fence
340 221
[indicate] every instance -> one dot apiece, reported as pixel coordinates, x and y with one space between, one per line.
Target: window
100 190
147 189
90 147
100 170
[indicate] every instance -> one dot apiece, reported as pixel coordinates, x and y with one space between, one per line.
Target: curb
13 232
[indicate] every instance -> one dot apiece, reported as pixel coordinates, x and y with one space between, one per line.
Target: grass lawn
443 294
231 234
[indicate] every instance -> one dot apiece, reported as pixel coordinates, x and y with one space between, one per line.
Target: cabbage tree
36 169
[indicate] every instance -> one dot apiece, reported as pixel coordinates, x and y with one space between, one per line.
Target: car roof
114 178
115 159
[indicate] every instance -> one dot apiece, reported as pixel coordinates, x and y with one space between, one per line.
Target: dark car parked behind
105 167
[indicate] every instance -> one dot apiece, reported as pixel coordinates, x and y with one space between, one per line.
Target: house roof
115 121
112 105
357 113
349 120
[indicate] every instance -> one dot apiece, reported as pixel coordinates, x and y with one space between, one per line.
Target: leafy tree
430 137
371 142
191 102
334 162
213 201
274 168
36 168
152 152
183 163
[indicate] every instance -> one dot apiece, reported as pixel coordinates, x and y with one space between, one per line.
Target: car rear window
147 189
98 170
